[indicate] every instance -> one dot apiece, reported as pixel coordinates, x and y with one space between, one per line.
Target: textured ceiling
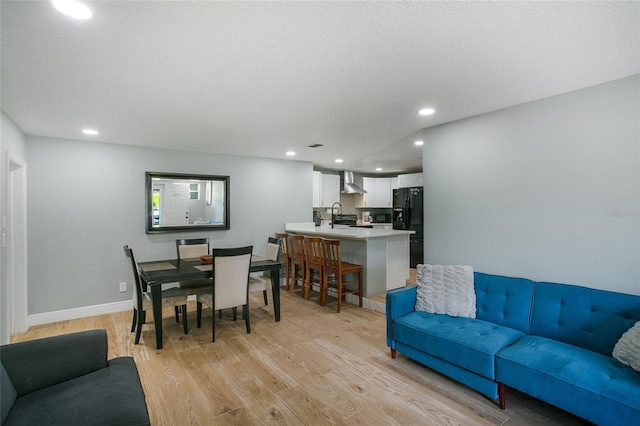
261 78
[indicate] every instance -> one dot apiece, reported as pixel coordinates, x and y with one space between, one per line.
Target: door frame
16 241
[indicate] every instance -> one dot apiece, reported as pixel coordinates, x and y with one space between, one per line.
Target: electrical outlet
123 287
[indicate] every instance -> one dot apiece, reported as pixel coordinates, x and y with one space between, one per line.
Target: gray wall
548 190
86 200
13 142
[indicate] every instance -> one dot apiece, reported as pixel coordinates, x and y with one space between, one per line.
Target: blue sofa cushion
504 300
589 318
570 377
465 342
110 396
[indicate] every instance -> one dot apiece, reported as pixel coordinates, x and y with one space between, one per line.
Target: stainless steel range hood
349 186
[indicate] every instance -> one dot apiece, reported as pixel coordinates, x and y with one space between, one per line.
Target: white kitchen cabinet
394 183
378 192
383 193
317 189
326 189
409 180
369 185
330 189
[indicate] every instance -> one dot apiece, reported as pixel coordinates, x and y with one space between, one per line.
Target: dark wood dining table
156 273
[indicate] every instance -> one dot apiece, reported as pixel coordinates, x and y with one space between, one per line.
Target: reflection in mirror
181 202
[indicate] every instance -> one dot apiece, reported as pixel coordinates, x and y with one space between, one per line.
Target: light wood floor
315 367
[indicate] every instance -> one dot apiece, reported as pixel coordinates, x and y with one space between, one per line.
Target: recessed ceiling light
378 169
291 153
418 143
72 8
426 111
338 160
90 132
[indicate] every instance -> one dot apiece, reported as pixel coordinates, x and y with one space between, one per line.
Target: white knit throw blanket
446 289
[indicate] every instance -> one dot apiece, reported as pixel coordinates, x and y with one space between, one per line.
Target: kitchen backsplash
348 202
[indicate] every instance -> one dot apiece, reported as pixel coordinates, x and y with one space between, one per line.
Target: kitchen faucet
333 213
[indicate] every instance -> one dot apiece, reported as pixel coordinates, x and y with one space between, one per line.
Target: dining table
155 273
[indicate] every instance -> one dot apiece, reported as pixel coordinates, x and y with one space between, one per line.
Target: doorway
16 242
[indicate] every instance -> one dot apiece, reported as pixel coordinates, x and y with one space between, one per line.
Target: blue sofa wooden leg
502 395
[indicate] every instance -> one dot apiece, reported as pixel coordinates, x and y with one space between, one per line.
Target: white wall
548 190
86 200
13 143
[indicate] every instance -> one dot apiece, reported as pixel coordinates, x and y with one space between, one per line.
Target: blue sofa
551 341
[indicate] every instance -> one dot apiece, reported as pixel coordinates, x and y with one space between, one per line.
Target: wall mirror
186 202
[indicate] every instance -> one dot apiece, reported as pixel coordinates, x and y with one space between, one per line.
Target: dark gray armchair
67 380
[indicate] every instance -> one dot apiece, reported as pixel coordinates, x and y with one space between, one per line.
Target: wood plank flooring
315 367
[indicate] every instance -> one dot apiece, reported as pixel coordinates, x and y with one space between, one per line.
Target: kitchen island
383 253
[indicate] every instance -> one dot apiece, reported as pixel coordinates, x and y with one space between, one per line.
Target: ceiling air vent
315 145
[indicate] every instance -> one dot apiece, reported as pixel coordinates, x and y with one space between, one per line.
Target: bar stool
285 256
314 261
339 269
298 264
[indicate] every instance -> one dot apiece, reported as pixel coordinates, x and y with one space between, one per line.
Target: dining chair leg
245 312
264 294
323 289
306 283
340 289
220 313
139 327
177 315
287 272
235 313
289 282
184 319
213 328
320 284
134 320
198 314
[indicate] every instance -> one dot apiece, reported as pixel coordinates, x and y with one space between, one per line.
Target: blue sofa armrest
400 301
41 363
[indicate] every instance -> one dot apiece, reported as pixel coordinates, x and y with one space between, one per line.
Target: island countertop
343 232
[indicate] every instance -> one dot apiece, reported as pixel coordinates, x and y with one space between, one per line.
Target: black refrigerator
408 214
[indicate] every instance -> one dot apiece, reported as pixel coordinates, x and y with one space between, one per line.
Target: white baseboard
125 305
75 313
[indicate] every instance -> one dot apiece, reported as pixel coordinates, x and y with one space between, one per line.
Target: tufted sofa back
504 301
585 317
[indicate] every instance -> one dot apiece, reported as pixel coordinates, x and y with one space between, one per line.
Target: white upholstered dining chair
190 249
263 282
230 285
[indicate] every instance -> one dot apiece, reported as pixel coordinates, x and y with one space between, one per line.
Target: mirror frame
149 176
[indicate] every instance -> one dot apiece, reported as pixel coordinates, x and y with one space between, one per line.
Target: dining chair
263 282
189 249
285 255
298 265
142 300
314 264
335 273
230 284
